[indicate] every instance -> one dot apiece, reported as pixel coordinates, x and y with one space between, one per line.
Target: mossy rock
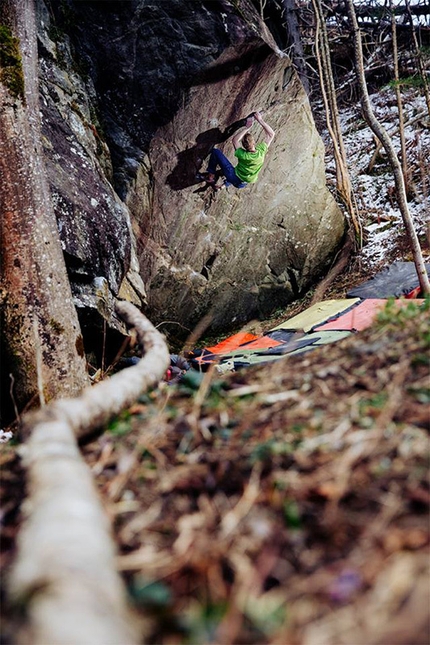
11 74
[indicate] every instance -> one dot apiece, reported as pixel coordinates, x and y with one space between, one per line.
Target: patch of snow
374 189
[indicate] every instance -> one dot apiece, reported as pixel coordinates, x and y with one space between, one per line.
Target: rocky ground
286 504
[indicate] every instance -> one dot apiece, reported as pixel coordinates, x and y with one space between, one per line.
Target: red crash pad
361 316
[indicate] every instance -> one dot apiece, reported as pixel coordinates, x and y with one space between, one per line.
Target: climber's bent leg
216 159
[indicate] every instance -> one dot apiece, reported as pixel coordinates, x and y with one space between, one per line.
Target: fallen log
64 576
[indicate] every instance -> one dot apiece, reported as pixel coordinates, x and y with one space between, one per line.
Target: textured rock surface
167 81
94 224
244 252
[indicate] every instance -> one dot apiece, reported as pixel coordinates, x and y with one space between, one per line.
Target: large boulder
238 253
164 83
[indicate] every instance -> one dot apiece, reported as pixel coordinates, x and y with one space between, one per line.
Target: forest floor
284 504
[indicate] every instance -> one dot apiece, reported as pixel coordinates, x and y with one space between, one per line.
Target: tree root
65 576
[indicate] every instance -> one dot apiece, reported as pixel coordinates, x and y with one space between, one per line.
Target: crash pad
317 314
322 338
287 348
295 343
396 280
262 343
228 344
256 360
361 316
327 337
308 342
283 335
246 340
251 356
301 344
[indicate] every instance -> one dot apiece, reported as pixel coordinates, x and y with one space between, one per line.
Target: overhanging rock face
168 81
238 253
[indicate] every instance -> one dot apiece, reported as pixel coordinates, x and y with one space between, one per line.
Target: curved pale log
100 403
65 573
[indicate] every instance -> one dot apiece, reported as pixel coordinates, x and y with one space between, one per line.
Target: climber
249 154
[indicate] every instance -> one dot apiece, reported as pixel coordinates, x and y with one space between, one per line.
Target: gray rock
163 83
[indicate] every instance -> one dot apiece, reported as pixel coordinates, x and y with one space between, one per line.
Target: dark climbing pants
216 159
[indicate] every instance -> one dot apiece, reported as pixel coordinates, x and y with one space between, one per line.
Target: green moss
11 74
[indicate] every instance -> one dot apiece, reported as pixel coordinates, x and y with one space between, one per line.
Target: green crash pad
317 314
322 338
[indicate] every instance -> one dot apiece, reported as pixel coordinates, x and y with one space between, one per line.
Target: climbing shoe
207 177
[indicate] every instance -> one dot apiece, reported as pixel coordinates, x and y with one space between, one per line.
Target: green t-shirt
250 163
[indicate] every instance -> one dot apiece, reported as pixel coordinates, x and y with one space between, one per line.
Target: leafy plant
269 449
202 623
393 314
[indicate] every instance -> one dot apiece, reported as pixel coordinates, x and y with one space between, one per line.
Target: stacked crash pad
323 323
293 336
317 314
361 316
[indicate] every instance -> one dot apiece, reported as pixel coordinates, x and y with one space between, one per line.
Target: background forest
283 504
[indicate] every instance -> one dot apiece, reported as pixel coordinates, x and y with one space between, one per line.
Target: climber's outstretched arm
239 136
270 133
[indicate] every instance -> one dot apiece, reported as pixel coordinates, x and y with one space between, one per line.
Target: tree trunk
328 91
41 343
297 55
399 99
418 57
382 135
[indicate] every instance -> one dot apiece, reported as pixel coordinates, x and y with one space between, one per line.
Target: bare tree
387 143
403 154
418 56
289 13
328 90
41 337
